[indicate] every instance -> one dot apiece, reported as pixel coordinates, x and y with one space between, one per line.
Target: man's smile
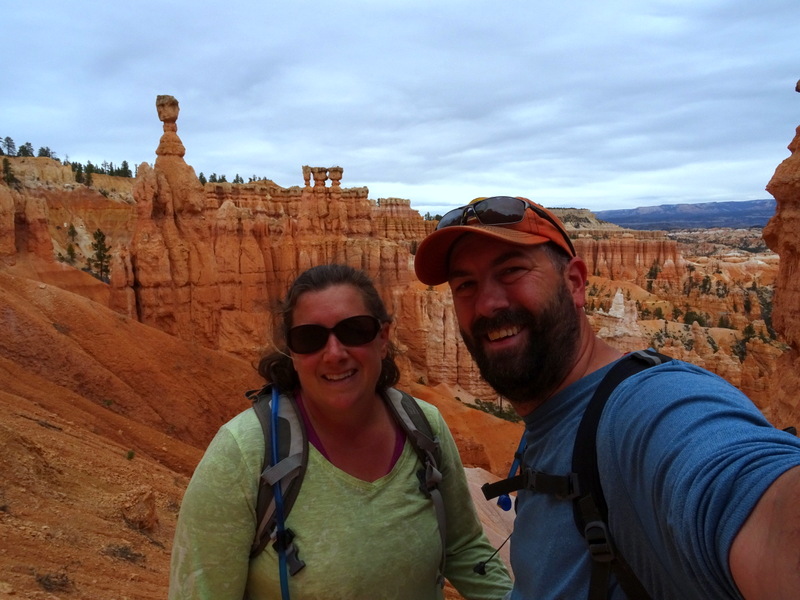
504 332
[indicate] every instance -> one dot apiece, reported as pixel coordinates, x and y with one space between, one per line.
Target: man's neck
592 354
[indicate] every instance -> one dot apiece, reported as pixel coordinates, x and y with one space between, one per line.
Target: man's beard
533 373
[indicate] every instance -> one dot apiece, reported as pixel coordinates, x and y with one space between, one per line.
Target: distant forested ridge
735 214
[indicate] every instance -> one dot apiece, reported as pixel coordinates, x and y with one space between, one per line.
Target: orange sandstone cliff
782 234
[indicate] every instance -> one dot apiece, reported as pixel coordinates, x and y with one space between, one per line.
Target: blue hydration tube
504 500
278 494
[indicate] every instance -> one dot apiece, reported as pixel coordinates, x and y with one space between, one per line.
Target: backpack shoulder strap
412 420
288 470
590 510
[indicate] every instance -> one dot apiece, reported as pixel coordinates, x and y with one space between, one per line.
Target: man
703 493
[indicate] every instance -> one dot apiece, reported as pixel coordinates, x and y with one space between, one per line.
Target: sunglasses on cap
352 331
499 210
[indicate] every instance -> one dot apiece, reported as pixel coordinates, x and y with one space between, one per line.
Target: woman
362 526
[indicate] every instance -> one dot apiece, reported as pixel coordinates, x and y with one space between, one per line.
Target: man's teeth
339 376
503 333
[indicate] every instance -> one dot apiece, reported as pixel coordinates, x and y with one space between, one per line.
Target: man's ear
576 275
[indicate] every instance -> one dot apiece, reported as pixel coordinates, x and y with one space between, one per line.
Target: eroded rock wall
782 235
209 263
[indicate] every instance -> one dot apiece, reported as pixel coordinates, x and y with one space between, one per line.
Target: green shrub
507 413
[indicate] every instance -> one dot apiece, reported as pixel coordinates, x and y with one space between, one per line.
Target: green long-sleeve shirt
359 540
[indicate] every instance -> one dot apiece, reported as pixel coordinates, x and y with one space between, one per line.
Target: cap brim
431 262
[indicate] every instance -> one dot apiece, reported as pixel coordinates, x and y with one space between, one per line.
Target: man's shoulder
676 385
673 372
652 365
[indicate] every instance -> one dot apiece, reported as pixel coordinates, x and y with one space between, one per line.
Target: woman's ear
383 335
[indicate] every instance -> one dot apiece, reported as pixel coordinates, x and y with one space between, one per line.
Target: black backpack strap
563 487
590 510
288 471
412 420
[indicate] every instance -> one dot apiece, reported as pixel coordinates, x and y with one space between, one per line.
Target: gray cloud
603 105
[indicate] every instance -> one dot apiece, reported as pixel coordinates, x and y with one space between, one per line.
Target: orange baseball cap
515 220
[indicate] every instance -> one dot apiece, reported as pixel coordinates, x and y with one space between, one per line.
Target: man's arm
765 555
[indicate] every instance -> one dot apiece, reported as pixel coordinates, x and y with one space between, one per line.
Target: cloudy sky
602 105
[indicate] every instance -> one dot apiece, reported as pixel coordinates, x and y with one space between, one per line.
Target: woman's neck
360 443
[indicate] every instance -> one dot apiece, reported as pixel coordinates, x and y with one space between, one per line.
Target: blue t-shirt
683 457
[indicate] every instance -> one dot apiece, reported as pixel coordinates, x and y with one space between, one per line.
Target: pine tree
8 174
10 146
25 150
71 256
98 263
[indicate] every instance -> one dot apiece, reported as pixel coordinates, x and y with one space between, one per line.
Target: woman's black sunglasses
352 331
498 210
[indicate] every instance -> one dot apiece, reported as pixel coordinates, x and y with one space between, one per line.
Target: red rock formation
31 225
8 249
207 264
625 257
782 235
